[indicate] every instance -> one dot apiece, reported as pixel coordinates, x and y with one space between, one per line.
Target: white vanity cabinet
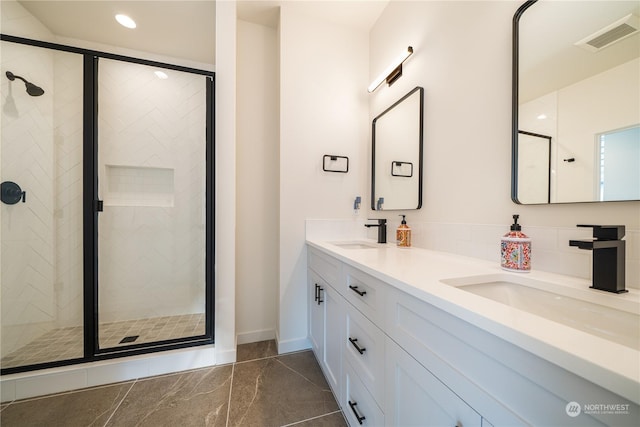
376 382
396 359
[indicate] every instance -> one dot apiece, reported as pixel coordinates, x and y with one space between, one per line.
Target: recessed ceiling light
542 117
125 21
161 75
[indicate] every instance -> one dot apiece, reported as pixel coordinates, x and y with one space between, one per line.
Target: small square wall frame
334 163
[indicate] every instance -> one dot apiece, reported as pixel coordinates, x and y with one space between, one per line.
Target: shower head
32 89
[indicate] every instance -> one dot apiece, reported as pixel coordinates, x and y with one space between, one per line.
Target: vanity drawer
365 292
325 266
358 406
364 350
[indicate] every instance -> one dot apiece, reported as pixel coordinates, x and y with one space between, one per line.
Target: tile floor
261 389
66 343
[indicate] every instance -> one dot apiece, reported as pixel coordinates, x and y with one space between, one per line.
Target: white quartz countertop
419 272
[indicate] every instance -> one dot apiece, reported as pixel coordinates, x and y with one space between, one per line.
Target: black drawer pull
320 289
317 296
353 343
353 408
355 289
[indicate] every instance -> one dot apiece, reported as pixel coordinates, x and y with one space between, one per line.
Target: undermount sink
612 320
356 245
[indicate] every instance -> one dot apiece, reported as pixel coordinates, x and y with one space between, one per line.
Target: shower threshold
67 343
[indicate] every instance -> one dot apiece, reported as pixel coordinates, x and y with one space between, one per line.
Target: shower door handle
99 205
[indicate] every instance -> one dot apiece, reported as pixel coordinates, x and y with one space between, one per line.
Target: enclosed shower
106 165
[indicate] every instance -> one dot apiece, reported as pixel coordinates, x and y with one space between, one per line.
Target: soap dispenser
515 249
403 234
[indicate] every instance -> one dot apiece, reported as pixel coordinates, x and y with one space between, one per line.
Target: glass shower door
151 179
41 258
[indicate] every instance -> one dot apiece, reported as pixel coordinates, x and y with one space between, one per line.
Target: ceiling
179 29
182 29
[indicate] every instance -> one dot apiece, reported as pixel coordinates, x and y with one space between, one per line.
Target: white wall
225 247
257 163
462 57
323 110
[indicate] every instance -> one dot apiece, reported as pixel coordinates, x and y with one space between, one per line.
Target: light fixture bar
394 68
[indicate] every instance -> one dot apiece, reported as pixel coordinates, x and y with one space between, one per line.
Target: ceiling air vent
610 34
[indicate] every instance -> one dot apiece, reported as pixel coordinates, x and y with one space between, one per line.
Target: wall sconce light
392 72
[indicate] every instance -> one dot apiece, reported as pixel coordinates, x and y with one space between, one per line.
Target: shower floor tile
67 343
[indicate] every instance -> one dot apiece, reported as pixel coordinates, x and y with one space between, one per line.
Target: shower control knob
11 193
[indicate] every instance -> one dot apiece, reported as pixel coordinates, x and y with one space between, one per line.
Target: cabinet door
414 397
334 322
326 325
316 315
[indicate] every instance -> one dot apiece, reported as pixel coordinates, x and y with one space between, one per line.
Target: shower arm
32 89
13 77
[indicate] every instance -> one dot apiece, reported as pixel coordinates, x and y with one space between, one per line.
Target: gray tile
196 398
278 391
82 408
256 350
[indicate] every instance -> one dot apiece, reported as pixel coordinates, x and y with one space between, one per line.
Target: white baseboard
256 336
289 346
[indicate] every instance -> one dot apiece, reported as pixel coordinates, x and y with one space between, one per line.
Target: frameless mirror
576 102
396 155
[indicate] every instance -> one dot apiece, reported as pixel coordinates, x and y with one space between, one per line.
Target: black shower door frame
92 207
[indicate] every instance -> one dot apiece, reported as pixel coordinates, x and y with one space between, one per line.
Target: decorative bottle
403 234
515 249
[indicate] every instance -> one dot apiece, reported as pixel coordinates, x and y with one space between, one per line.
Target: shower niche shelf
139 186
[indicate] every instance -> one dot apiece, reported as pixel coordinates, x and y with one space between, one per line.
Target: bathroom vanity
419 337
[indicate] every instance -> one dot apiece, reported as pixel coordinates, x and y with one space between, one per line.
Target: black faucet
608 256
382 229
